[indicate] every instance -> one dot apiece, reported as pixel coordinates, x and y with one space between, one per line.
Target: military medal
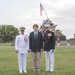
49 35
25 39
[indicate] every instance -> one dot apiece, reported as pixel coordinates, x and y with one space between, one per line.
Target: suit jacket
36 44
49 41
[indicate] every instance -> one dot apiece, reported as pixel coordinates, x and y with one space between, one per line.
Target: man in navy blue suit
36 46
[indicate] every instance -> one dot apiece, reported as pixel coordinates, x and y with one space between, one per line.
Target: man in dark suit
49 46
36 46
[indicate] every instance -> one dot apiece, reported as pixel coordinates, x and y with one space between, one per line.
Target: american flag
41 8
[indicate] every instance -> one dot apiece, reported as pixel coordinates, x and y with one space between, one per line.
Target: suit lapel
38 35
33 35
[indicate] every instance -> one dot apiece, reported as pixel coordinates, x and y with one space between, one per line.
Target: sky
27 12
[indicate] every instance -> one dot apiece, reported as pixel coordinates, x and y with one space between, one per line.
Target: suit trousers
36 60
49 57
22 61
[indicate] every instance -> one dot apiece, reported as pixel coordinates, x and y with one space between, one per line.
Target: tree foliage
7 33
59 33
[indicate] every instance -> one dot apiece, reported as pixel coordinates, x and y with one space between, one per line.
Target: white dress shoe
46 70
25 71
51 71
20 71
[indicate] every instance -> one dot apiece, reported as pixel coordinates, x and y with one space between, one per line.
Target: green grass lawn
64 62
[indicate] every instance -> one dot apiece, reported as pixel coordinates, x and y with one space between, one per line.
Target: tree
8 32
59 33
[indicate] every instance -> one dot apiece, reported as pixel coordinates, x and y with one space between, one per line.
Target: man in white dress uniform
22 48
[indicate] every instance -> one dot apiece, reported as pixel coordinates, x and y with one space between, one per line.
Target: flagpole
45 12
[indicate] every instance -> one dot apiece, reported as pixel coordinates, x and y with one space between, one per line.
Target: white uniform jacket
22 43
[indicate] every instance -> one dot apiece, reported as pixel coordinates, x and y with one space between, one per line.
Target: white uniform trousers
58 44
49 57
22 61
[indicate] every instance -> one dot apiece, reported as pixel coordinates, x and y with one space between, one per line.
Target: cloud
27 12
59 11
